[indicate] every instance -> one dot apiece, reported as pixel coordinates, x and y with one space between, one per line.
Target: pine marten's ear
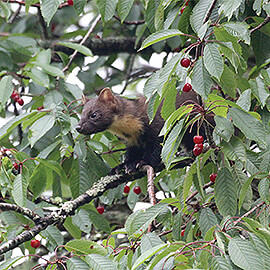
107 96
84 99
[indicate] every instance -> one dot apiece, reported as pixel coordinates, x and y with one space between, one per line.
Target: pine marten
127 118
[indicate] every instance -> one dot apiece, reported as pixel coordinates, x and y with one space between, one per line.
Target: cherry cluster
185 62
198 147
17 98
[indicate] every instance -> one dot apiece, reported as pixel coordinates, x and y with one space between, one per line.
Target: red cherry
126 189
100 209
182 233
20 102
213 177
16 97
197 151
185 62
70 2
182 9
198 139
187 2
137 190
14 93
40 108
200 145
16 166
35 243
187 87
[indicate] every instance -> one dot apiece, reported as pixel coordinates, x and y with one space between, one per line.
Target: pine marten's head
98 113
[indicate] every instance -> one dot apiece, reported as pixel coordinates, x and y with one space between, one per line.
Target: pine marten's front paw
128 168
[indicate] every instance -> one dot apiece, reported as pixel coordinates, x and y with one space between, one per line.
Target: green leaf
49 8
224 128
54 237
259 90
159 36
75 263
220 263
81 246
199 14
82 221
54 71
188 180
140 220
244 101
78 47
225 193
238 29
212 60
106 9
201 79
38 180
207 220
249 125
159 17
244 191
7 263
263 189
244 255
99 221
20 189
234 149
39 76
40 128
74 231
228 81
146 255
5 10
123 8
6 89
99 262
79 6
229 7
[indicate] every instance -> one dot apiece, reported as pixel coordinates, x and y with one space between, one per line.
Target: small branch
82 42
209 11
267 20
150 184
21 210
130 22
249 212
196 192
43 25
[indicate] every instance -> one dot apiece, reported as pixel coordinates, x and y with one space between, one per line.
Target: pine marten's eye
93 115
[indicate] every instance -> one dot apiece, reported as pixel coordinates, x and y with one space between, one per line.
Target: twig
249 212
83 41
267 20
21 210
196 192
130 22
209 11
43 25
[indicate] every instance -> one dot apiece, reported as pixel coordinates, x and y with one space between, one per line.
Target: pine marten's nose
79 128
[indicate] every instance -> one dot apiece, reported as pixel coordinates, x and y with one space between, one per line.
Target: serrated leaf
40 128
75 263
39 77
20 189
54 237
146 255
244 255
207 220
225 193
159 36
7 263
212 60
259 90
99 221
234 149
150 240
199 14
220 263
99 262
224 127
79 5
82 221
263 189
188 180
38 180
49 8
228 81
159 17
54 71
140 220
106 9
244 101
249 125
229 7
78 47
6 89
86 247
123 8
74 231
201 79
238 29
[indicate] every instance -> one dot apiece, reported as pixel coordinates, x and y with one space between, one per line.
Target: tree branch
267 20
